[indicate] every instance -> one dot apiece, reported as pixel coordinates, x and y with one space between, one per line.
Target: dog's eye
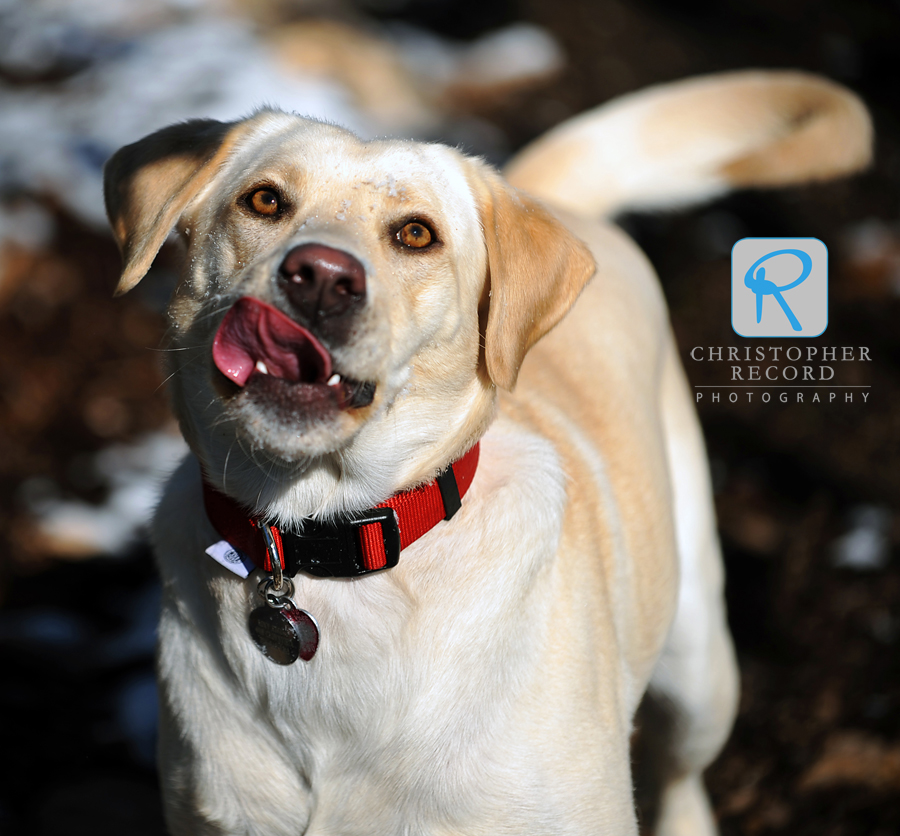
416 235
265 202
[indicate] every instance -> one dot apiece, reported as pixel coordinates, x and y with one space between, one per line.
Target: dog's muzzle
263 350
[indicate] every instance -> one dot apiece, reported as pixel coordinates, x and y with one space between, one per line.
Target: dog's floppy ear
147 186
536 269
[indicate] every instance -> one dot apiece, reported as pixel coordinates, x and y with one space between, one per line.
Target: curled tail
681 143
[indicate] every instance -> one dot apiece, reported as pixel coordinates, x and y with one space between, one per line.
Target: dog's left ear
149 184
536 270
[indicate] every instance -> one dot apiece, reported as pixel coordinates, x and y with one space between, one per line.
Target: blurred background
806 493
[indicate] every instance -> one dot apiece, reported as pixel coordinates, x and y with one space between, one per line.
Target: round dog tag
285 634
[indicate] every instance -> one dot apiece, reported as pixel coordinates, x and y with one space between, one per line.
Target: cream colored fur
488 684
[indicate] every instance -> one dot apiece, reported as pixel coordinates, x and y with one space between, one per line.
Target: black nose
322 281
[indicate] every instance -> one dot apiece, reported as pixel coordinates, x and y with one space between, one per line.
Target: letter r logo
779 287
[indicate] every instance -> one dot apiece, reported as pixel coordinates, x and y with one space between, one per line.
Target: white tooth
261 367
334 380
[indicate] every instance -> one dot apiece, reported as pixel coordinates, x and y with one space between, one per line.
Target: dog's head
346 308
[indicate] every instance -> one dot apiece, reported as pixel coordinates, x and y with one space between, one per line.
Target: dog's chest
419 652
427 680
399 648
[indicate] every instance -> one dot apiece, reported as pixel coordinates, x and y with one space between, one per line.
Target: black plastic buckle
332 550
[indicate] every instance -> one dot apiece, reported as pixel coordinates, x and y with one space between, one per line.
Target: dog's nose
322 281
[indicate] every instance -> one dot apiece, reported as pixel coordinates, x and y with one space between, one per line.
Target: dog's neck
355 545
396 450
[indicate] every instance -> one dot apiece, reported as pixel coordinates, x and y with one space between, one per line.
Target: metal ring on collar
272 547
277 599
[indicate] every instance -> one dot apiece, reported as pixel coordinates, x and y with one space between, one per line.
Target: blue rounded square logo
779 287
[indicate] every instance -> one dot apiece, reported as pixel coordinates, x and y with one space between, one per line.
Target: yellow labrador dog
447 518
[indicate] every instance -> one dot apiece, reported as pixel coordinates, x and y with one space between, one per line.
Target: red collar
356 545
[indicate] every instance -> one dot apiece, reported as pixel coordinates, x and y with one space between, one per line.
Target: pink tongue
253 331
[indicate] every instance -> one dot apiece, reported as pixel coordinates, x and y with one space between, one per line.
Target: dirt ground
816 746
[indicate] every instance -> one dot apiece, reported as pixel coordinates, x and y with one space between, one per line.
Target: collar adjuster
446 482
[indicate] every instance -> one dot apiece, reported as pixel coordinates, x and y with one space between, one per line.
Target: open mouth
259 348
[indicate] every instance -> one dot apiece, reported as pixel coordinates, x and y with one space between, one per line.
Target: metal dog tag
284 634
280 630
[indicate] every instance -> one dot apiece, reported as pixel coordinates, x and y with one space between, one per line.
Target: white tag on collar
228 556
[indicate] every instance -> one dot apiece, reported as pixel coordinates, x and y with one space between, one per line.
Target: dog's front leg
223 769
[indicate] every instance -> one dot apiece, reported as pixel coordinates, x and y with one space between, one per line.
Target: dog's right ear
149 184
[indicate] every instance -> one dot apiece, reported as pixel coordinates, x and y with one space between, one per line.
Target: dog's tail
682 143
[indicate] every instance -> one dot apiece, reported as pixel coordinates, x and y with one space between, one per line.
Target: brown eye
415 235
265 202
